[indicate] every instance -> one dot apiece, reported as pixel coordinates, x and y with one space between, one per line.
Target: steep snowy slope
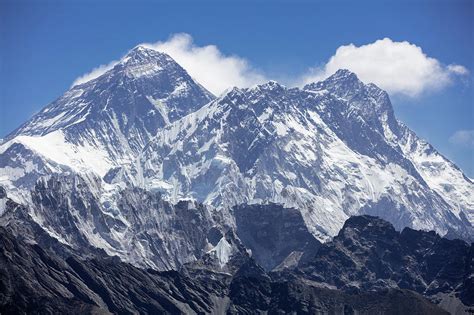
374 107
440 174
142 92
323 150
102 123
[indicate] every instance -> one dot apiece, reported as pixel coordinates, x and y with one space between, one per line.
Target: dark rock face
3 193
276 235
36 281
369 254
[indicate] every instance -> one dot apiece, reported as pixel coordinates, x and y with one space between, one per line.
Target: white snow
55 147
160 105
441 175
3 205
141 70
223 251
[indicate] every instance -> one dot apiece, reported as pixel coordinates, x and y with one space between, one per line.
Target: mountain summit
145 90
105 122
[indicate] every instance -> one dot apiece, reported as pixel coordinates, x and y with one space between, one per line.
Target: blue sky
46 45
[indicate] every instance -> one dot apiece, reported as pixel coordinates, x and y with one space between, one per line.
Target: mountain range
145 164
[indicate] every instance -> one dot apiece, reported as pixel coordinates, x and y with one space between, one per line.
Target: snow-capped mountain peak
140 53
341 82
104 123
271 85
346 85
142 61
343 75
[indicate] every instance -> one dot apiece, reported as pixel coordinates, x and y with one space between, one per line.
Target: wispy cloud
397 67
94 73
463 138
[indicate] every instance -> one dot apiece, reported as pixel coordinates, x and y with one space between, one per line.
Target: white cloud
94 73
463 138
208 65
458 69
397 67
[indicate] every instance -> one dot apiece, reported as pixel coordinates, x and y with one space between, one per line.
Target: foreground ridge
51 283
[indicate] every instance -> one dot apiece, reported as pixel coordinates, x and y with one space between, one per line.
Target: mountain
103 123
368 266
145 164
145 90
37 281
331 150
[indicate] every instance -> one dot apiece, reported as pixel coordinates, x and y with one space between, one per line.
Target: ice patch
222 251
